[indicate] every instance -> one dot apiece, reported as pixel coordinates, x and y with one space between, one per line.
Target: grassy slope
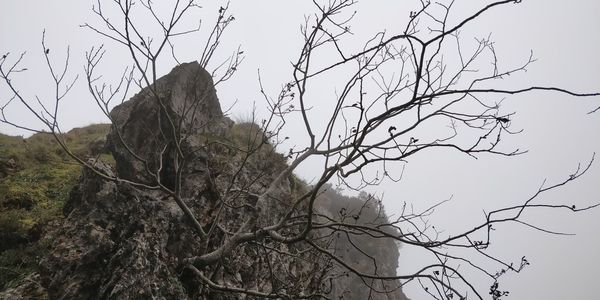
35 179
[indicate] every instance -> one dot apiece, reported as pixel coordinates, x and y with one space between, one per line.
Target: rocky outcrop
121 241
182 103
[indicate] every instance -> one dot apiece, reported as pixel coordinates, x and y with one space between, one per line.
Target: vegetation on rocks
36 177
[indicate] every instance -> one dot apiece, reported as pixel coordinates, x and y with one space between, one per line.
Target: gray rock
182 103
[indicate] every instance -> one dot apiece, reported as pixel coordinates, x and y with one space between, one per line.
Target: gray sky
557 131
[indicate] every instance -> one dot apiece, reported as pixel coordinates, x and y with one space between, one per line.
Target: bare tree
399 89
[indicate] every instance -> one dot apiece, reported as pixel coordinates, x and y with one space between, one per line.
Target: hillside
72 234
36 177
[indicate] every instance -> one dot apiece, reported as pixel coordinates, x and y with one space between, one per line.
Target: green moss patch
36 176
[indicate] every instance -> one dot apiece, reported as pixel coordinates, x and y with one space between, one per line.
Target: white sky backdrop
557 131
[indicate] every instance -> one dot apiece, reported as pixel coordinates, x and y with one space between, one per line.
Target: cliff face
121 241
366 253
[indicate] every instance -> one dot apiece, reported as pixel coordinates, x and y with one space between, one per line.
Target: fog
558 132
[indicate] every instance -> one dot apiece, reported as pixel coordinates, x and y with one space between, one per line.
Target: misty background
557 130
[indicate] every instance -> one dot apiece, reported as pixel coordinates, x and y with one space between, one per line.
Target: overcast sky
557 130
